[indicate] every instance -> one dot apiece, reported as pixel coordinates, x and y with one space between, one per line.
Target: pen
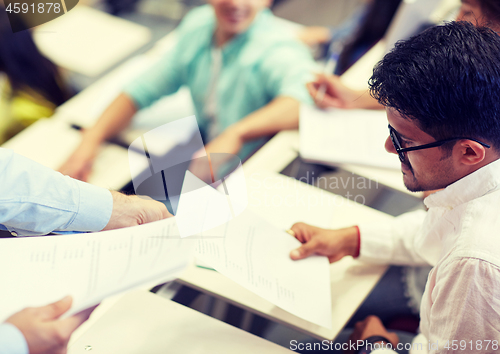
330 65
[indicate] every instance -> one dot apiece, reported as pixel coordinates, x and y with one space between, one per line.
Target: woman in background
30 85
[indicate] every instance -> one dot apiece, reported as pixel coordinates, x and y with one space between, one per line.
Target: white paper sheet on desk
36 271
255 254
339 136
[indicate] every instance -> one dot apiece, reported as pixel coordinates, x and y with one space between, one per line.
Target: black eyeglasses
401 151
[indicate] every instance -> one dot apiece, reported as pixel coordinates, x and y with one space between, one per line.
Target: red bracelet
356 255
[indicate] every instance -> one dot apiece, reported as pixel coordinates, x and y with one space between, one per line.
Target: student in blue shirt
246 75
35 200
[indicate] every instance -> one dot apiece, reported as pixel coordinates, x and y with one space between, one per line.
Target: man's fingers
56 309
298 233
305 250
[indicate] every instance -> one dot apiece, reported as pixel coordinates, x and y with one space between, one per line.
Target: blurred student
246 77
30 85
478 12
35 200
357 35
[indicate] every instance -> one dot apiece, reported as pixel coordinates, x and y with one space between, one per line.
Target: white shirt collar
472 186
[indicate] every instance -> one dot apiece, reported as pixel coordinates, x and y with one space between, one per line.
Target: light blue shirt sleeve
286 69
163 78
35 200
12 340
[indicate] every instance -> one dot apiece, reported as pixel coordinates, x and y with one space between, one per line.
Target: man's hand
338 95
44 332
335 244
372 326
315 35
131 210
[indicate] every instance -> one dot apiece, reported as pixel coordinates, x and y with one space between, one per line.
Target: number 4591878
40 8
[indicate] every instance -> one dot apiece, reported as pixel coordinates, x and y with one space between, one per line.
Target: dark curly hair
447 79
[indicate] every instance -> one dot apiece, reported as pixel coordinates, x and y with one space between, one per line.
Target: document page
340 136
39 270
255 254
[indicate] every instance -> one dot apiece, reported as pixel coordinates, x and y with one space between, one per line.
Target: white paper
37 271
201 207
255 254
339 136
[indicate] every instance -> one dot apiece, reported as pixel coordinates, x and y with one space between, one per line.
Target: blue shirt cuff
94 209
12 340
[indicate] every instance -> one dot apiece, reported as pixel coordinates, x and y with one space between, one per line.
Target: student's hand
315 35
372 326
79 164
229 141
338 95
44 332
335 244
131 210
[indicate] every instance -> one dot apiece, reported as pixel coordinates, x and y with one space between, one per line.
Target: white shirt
460 237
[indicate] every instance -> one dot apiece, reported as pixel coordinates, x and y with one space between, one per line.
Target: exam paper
255 254
36 271
345 136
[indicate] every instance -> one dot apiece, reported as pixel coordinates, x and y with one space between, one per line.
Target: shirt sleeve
286 70
162 79
465 307
35 200
167 75
12 340
393 242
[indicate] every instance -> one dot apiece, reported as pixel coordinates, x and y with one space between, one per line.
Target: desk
142 322
89 41
50 142
283 201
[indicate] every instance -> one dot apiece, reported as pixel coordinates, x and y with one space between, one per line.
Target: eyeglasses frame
401 151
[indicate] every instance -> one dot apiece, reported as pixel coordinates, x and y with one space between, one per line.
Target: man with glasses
441 90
